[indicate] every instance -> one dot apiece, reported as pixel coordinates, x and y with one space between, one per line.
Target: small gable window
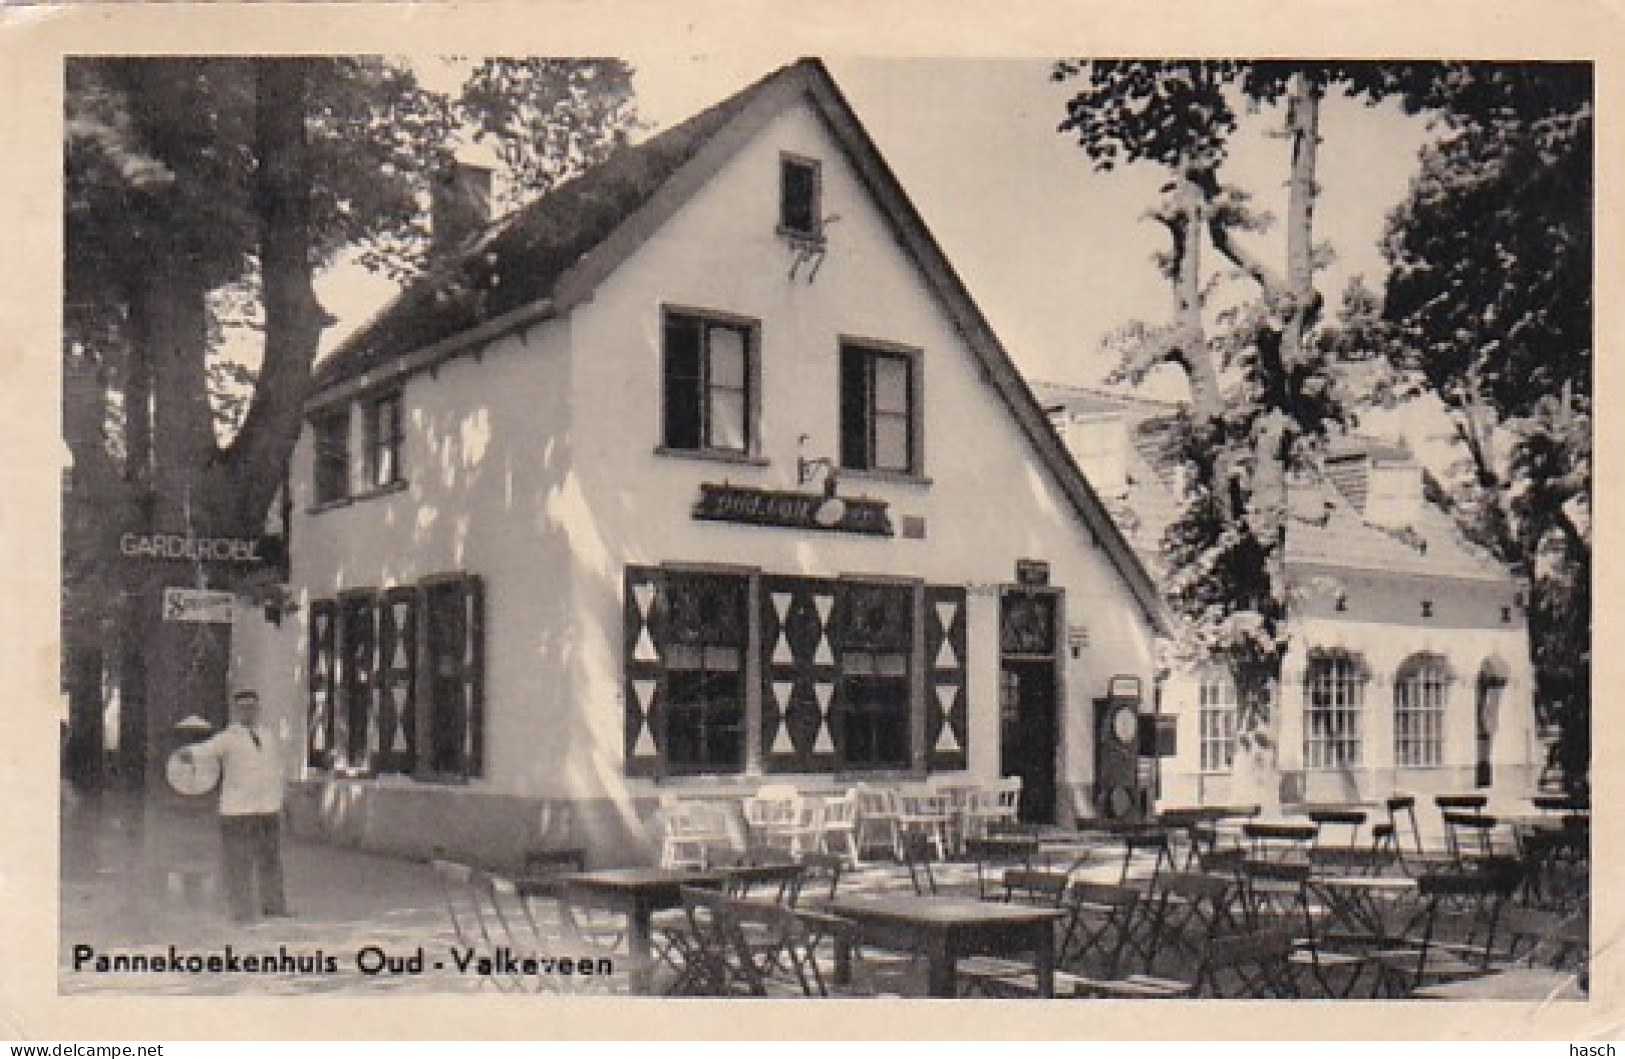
799 195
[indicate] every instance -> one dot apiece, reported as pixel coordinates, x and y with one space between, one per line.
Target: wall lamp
833 508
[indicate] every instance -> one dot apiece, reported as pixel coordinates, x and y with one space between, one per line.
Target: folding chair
1278 897
999 851
1324 819
463 906
701 949
1026 886
916 851
1250 966
1188 908
1185 913
1461 912
1401 811
1468 836
767 949
1280 841
1099 928
1145 838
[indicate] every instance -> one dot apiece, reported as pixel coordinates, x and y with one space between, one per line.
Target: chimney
459 206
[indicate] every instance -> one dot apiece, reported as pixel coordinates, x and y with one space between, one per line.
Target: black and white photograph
598 528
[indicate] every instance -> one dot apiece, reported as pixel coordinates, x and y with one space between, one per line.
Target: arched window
1333 700
1216 714
1421 686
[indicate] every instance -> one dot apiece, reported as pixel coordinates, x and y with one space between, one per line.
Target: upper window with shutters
711 384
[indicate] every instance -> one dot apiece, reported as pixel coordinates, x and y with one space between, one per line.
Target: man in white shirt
250 808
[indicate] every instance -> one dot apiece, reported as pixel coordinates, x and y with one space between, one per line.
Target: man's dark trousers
253 847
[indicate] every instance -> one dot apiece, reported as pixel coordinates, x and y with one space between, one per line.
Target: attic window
799 196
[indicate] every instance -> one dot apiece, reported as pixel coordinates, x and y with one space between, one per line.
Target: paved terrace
137 881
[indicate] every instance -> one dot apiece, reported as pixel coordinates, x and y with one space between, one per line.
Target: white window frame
1216 720
1421 694
1333 712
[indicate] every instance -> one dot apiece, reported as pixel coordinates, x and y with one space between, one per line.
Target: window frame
705 321
330 455
869 352
1338 678
743 675
789 162
1216 715
909 712
375 444
1422 685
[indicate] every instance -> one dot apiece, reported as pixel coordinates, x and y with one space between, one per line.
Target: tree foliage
201 191
1489 305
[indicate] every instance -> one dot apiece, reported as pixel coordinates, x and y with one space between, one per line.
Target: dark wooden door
1027 738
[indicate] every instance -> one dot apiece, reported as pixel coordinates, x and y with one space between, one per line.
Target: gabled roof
550 255
1328 529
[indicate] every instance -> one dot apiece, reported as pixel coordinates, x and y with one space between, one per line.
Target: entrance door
447 638
1027 734
1028 718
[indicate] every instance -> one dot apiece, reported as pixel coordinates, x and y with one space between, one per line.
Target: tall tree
188 176
1261 392
1489 305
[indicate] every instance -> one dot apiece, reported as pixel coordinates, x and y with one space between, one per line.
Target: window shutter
397 681
947 726
355 724
322 670
643 674
474 675
799 674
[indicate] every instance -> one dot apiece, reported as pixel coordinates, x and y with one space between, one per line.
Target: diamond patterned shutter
947 721
644 677
397 681
322 670
799 674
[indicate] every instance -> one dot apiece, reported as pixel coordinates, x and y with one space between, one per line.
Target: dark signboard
815 511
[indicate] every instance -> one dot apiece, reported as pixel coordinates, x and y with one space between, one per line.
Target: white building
1409 670
702 472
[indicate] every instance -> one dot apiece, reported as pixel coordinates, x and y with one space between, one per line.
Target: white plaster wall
487 458
988 501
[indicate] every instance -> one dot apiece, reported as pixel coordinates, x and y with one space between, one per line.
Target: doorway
1028 697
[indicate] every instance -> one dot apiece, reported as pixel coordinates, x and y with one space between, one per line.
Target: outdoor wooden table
637 893
1536 984
943 929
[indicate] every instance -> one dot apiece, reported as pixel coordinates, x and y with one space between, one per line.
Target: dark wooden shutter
355 719
397 681
643 675
947 721
322 667
473 688
799 674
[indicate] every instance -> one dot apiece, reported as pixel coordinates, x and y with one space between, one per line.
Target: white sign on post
197 604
